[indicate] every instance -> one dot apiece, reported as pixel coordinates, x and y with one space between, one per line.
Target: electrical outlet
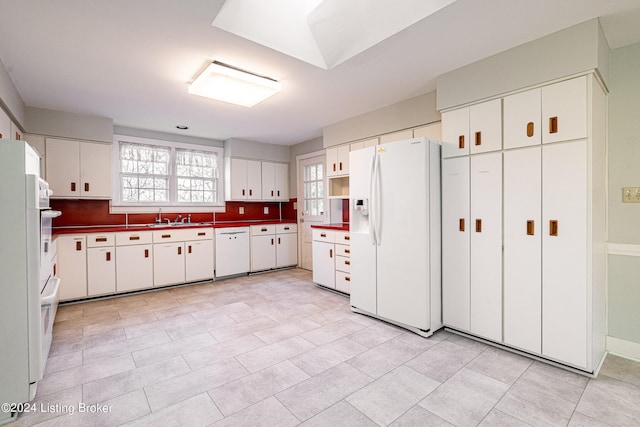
295 206
266 210
631 195
241 210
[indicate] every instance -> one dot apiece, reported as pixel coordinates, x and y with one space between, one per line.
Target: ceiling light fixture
182 127
233 85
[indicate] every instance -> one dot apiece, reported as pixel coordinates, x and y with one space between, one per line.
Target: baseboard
623 348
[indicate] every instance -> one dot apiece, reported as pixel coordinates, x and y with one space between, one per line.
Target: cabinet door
564 110
286 249
268 181
168 264
101 271
72 266
564 252
239 179
263 252
63 167
95 170
134 269
455 133
332 161
198 260
254 179
324 264
5 125
522 113
522 291
486 245
282 181
485 126
343 159
16 133
455 243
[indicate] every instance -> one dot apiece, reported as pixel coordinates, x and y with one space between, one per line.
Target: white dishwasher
232 251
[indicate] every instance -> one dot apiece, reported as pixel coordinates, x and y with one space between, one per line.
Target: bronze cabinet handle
108 256
461 224
334 167
530 227
340 165
101 239
179 250
146 253
347 251
189 249
323 234
478 226
461 141
330 253
263 229
243 193
73 186
530 131
78 246
166 236
553 125
347 278
271 242
250 192
134 237
347 262
553 227
202 233
278 240
478 138
86 186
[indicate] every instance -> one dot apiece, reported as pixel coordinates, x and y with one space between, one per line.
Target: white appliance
395 233
232 251
28 290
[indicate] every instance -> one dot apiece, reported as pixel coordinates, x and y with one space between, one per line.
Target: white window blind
197 176
144 173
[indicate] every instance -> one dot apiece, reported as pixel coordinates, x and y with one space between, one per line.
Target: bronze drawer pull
478 138
461 141
530 129
530 227
553 227
134 237
478 226
461 224
101 239
553 125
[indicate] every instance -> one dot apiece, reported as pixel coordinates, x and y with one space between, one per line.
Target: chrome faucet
177 218
168 220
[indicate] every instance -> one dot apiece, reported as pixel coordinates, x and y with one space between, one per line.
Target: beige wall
624 171
407 114
570 51
68 125
10 99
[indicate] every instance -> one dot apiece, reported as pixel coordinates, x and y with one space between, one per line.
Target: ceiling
132 60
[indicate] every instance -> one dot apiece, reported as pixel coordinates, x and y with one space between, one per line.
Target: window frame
119 206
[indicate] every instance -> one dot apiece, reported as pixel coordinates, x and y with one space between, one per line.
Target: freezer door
363 249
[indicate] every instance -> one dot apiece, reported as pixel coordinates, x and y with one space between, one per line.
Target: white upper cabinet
275 181
455 133
244 179
15 132
485 126
282 181
564 110
522 119
78 169
338 160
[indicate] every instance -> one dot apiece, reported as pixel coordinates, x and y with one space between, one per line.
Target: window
159 173
313 189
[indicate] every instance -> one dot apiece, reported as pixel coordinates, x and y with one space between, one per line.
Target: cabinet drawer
136 238
320 235
342 237
286 228
343 250
173 235
196 234
343 282
343 264
259 230
100 240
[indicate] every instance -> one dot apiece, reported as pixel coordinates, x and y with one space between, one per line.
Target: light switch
241 210
631 195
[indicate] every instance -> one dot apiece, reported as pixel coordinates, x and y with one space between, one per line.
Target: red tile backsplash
96 212
345 211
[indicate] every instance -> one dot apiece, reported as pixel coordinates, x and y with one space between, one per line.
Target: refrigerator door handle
372 213
377 205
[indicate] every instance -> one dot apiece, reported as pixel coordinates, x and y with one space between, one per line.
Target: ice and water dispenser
359 215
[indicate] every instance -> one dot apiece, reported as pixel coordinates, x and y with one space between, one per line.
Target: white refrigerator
395 233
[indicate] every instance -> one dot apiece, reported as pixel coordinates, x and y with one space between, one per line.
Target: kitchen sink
176 224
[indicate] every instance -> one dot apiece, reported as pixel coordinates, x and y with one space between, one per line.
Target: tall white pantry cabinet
524 226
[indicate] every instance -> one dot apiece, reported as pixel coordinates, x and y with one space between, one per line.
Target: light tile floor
275 350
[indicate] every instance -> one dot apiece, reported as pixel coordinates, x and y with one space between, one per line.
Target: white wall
624 171
163 136
570 51
235 147
10 99
306 147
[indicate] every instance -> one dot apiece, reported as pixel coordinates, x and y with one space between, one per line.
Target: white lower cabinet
134 269
331 259
199 260
101 264
168 263
273 246
72 266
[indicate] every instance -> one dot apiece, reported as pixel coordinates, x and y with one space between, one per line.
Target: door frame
300 196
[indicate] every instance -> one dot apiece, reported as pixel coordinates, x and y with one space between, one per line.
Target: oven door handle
51 214
51 298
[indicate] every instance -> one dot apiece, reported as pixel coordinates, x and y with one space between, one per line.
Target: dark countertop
145 227
340 226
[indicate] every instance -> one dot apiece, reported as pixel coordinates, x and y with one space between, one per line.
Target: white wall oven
28 287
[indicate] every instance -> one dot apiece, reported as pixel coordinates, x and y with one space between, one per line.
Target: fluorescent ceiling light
229 84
